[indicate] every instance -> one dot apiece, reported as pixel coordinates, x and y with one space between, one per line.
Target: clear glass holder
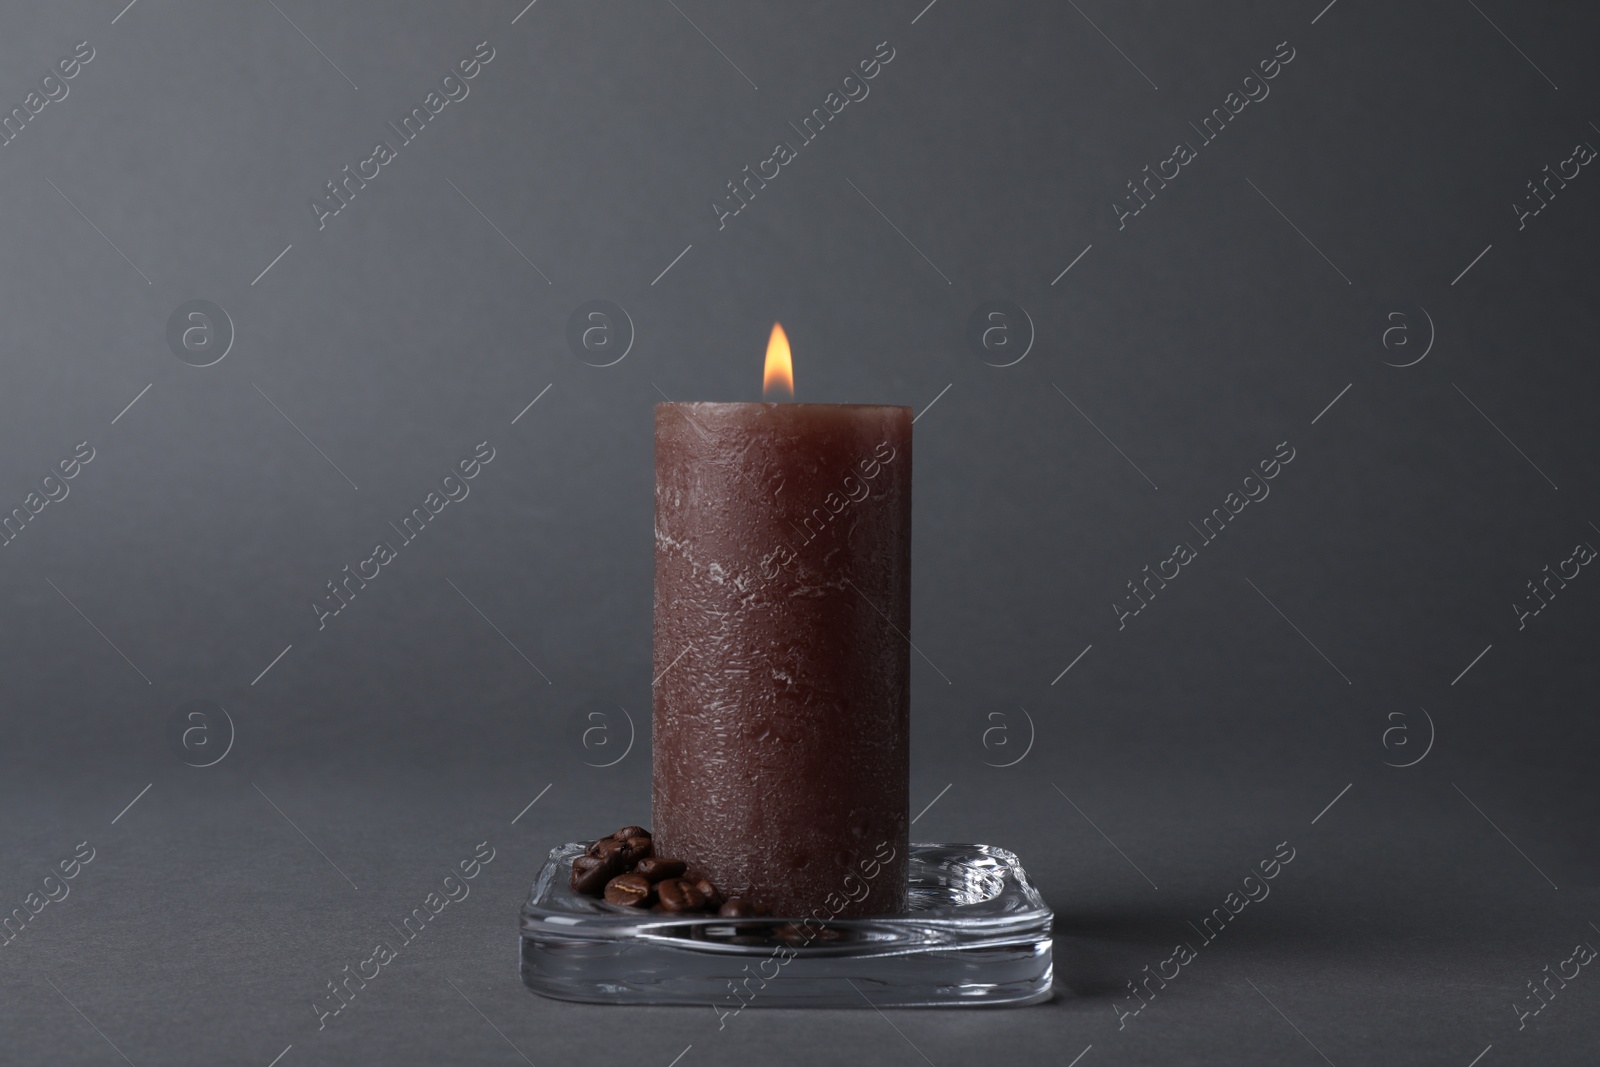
976 933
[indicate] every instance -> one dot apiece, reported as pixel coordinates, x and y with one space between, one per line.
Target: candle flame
777 379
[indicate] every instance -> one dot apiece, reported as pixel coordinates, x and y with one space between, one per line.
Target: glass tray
976 933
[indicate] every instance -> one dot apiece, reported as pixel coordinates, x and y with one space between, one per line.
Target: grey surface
1223 719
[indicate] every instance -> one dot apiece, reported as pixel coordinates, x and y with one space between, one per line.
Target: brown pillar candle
782 608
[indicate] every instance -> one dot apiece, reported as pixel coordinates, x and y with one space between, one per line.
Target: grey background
985 160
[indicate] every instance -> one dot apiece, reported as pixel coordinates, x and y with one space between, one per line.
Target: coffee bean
679 895
749 933
608 849
630 890
590 875
656 868
709 891
637 848
737 908
631 831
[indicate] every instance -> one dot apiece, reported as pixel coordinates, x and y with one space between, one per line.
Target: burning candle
782 608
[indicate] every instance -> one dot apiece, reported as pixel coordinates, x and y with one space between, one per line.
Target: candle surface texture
781 715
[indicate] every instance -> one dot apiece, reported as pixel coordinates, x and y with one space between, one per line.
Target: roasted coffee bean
590 875
631 831
679 895
635 849
737 908
709 891
630 890
609 849
656 868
